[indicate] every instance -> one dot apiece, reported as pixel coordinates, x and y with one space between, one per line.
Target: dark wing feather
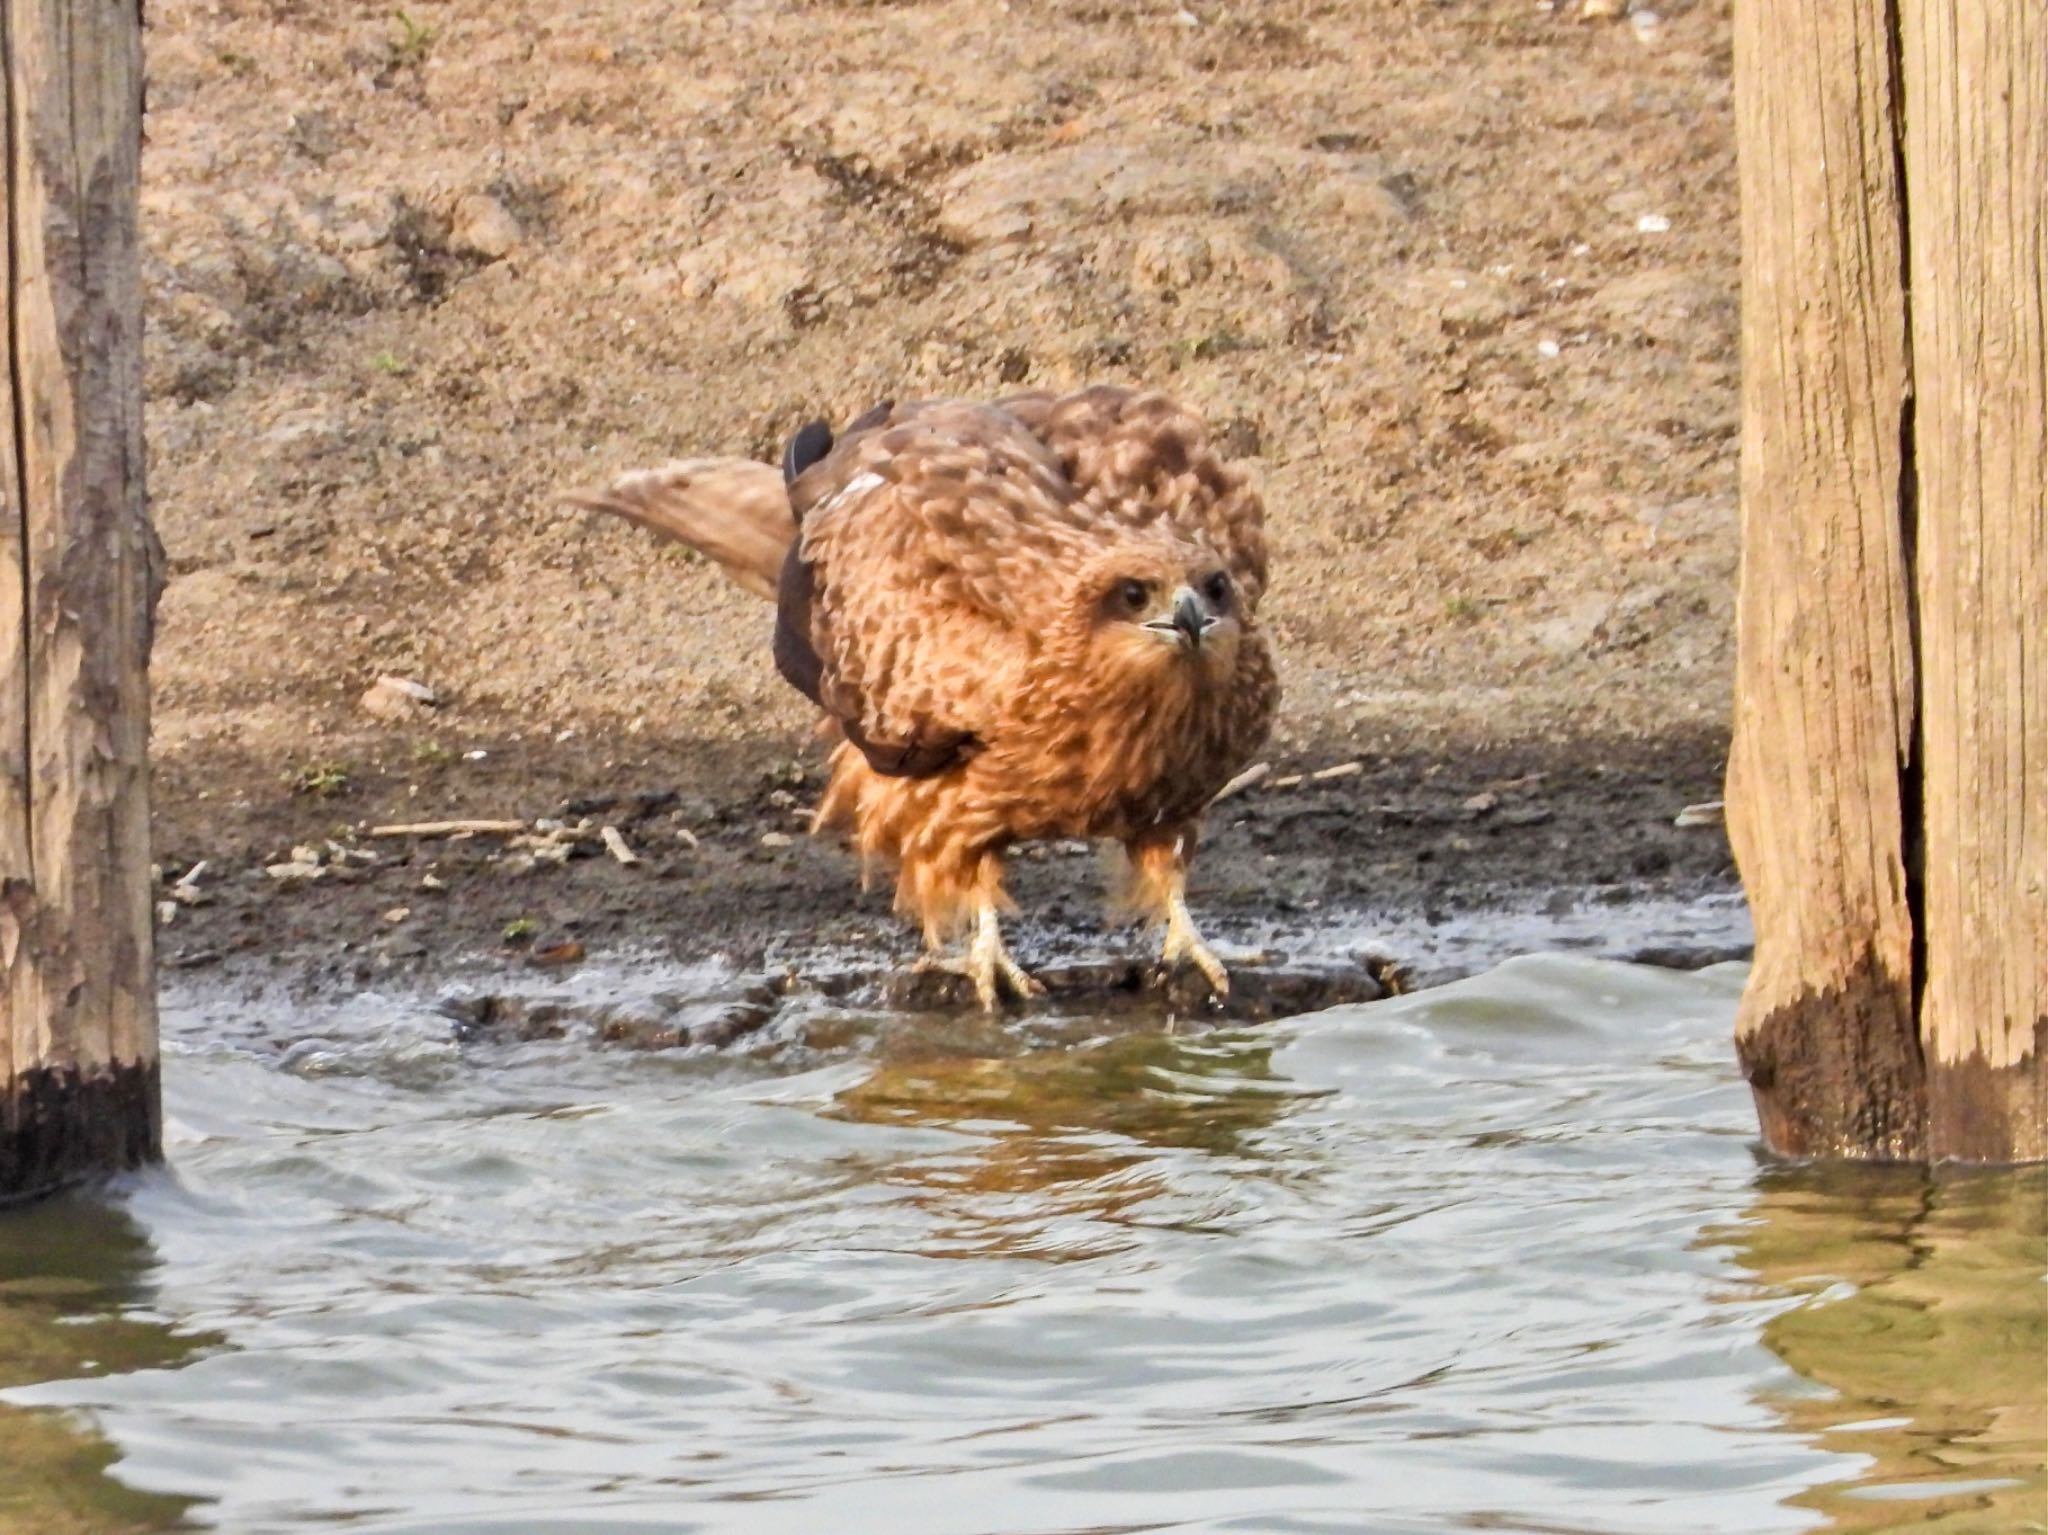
795 656
813 440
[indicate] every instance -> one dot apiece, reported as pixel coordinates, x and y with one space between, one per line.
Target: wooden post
1888 783
78 578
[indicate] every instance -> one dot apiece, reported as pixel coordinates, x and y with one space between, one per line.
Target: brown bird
1027 619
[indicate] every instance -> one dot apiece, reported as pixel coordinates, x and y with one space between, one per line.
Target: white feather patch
851 491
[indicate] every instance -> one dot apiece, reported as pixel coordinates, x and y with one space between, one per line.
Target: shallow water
1498 1256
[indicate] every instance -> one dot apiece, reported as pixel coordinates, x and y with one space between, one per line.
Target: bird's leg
1161 866
987 962
1184 943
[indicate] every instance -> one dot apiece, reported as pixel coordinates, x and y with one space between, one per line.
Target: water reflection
1061 1150
1924 1318
72 1282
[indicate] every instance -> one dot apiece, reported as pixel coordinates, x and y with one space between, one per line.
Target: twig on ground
449 829
1243 781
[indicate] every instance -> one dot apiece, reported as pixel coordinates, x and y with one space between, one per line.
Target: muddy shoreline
1303 880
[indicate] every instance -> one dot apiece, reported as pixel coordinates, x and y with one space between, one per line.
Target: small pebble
484 227
776 839
398 698
1653 224
397 914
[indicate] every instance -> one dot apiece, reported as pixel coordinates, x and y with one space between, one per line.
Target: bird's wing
905 603
1139 458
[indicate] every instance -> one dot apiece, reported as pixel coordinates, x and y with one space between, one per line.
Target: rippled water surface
1498 1256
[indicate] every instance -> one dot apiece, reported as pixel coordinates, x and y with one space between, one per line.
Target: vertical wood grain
75 603
1976 156
1819 807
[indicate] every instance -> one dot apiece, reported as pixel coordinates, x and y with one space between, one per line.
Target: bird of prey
1032 618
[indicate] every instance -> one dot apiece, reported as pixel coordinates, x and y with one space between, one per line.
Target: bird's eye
1134 594
1217 590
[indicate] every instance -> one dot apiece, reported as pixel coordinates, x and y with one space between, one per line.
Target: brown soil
410 277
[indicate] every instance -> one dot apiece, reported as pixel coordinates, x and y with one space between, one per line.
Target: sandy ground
1457 277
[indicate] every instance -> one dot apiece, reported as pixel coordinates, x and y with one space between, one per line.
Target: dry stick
449 829
1252 775
616 842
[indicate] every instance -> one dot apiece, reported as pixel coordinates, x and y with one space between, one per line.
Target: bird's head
1164 608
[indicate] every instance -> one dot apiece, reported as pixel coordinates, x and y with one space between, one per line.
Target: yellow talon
988 963
1184 943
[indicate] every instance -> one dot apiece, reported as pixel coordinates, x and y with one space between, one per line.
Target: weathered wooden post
78 574
1888 786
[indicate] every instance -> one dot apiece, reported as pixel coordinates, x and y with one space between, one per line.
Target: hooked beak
1188 622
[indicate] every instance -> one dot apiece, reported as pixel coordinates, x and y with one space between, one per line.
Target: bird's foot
988 966
1184 944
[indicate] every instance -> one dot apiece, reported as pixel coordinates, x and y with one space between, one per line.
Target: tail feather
732 510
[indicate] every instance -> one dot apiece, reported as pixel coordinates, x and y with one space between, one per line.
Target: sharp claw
969 967
991 967
1021 981
988 967
1211 968
1203 958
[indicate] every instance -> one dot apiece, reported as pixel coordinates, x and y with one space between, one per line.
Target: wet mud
1316 890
